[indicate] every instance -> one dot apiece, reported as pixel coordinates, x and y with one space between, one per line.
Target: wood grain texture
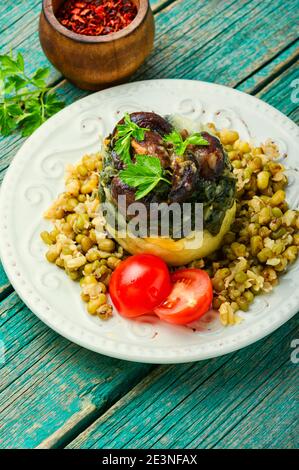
5 287
104 62
220 39
279 402
265 75
278 95
14 14
211 42
50 385
160 4
50 389
196 405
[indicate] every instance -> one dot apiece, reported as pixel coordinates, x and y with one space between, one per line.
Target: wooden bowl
96 62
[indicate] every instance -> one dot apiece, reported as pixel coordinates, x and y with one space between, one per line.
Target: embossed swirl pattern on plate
76 130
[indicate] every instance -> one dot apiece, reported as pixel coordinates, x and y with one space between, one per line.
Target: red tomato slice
190 298
139 284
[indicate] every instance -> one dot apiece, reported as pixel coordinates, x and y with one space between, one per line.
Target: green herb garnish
124 134
144 175
180 145
25 102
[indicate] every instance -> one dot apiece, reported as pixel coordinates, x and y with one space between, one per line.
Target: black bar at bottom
139 458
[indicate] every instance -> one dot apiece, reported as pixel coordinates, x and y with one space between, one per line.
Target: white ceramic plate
36 176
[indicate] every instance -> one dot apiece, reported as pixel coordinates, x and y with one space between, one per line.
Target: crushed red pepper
96 17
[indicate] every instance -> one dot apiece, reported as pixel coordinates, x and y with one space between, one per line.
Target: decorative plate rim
113 348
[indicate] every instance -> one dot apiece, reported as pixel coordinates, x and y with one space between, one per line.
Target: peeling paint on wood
197 405
52 390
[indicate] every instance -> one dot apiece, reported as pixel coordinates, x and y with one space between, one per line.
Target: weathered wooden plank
280 93
218 43
5 286
19 25
13 13
20 18
19 21
160 4
9 146
277 94
198 37
72 93
267 73
256 430
285 105
19 30
39 341
189 406
50 384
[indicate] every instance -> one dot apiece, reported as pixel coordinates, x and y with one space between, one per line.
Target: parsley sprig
144 175
25 101
180 145
125 132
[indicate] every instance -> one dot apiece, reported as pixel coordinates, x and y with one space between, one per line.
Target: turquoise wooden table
54 394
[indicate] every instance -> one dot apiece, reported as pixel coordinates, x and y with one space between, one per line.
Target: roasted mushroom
210 159
153 143
202 174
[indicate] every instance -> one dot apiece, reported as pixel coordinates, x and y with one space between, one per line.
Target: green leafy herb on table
144 175
25 102
180 145
125 132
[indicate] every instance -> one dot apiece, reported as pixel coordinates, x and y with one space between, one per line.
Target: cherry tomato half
139 284
190 298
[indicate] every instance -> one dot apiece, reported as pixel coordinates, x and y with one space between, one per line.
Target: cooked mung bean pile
264 237
78 242
260 245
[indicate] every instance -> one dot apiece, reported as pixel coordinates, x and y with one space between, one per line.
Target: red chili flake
96 17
